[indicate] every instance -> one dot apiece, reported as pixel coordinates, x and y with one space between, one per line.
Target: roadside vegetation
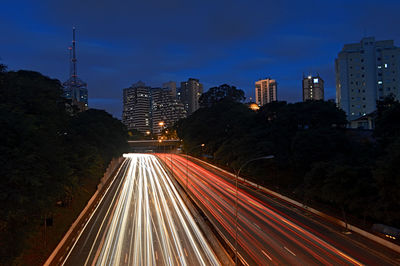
317 160
51 158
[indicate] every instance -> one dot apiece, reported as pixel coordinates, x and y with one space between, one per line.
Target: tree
349 188
220 93
95 137
214 125
387 177
33 168
45 153
387 124
318 144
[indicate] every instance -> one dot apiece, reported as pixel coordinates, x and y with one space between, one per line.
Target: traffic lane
112 232
192 232
179 227
284 239
111 249
291 241
79 252
217 223
172 214
368 251
257 256
226 223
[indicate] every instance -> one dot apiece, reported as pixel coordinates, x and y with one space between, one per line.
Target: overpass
151 146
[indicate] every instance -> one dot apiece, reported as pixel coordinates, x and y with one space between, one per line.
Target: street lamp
161 124
187 162
236 199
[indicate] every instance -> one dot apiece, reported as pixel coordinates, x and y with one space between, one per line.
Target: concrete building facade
145 107
171 85
366 72
136 110
266 91
313 88
190 93
165 108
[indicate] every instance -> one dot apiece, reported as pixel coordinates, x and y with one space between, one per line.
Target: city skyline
200 132
237 49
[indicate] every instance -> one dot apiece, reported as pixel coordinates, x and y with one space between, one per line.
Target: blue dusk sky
234 42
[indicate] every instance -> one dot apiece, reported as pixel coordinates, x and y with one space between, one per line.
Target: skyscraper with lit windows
136 112
313 88
190 93
366 72
266 91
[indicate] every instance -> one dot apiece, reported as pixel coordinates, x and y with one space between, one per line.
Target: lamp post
161 124
236 199
187 162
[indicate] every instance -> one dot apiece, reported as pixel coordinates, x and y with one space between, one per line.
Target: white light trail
161 230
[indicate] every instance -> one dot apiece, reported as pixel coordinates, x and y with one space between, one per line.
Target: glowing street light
236 199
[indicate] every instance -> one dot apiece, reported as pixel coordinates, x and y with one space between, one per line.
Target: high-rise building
179 94
313 88
145 107
74 88
266 91
165 109
136 112
171 85
366 72
190 93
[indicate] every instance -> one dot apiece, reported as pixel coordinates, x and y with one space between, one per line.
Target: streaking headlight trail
147 223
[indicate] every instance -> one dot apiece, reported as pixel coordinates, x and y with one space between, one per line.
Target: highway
141 220
271 232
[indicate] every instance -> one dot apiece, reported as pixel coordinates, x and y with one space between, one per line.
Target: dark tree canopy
224 92
45 153
315 155
387 124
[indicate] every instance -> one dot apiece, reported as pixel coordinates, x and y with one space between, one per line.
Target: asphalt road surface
141 220
270 231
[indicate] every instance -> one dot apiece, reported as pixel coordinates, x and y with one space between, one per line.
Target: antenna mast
73 60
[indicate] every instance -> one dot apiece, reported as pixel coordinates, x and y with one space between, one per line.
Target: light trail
265 235
146 223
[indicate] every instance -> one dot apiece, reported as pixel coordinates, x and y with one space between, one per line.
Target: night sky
234 42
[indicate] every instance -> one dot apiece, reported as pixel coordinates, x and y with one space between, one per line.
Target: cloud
235 41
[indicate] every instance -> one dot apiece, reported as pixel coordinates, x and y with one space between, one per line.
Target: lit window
380 82
379 67
316 80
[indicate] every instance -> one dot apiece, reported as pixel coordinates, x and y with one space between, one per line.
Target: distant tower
74 88
266 90
313 88
190 93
